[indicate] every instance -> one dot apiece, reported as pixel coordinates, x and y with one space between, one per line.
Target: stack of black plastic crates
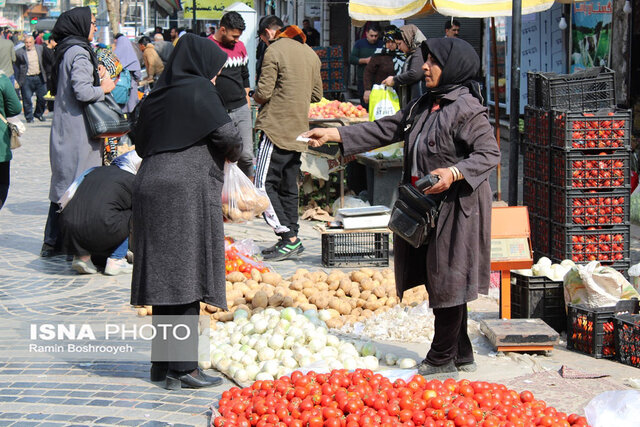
576 168
332 71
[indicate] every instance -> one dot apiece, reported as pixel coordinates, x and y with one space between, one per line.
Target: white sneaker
117 266
83 267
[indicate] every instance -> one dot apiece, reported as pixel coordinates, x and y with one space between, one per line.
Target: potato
271 278
234 295
256 275
285 283
300 273
379 291
225 209
225 316
367 271
236 276
366 313
252 284
242 307
149 310
335 276
210 308
142 311
305 307
307 283
365 294
372 305
268 289
334 284
335 303
367 284
392 301
345 307
357 311
322 301
360 302
228 285
358 276
354 292
249 295
346 284
287 302
383 301
236 215
350 318
296 285
239 301
377 276
301 299
340 293
309 291
322 286
318 276
276 300
334 323
260 299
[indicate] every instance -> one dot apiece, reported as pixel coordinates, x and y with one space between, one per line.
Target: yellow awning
385 10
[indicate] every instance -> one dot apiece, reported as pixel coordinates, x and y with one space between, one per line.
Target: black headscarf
72 29
184 107
460 64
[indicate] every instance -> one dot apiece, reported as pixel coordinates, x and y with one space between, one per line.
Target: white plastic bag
614 408
241 200
634 276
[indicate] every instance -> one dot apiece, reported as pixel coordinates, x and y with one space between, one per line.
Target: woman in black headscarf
446 133
76 81
184 136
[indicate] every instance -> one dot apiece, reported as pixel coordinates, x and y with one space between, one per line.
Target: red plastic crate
529 165
602 130
607 245
529 194
590 208
577 170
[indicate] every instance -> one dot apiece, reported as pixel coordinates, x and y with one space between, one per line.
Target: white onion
390 359
305 361
235 366
224 364
406 363
241 376
271 367
204 364
252 371
266 353
350 363
289 362
276 341
324 315
263 376
370 362
333 341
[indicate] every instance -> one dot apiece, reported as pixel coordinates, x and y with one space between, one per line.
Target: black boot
194 379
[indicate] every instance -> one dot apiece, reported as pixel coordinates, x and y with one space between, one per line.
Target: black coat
97 219
22 64
455 264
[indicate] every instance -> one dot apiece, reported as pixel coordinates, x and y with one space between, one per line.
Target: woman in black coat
184 136
446 133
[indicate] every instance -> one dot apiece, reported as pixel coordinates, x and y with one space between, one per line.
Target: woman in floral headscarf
410 79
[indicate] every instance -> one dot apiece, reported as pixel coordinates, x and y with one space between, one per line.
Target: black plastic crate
591 330
540 234
590 89
543 199
538 297
577 170
530 118
607 129
529 194
537 130
533 89
529 164
355 248
543 163
627 339
579 244
590 208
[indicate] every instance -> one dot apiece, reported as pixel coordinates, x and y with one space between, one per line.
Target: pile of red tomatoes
363 399
235 260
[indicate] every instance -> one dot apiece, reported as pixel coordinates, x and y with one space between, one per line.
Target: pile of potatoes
349 297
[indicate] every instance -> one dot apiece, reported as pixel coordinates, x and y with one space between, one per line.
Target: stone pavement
43 389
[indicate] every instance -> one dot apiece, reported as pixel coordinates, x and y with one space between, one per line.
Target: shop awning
166 7
6 22
384 10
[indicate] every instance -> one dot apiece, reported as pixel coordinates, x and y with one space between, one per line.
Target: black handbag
414 215
105 119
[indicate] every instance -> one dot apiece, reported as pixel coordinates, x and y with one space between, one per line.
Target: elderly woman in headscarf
410 79
120 94
184 136
76 81
446 133
96 215
125 52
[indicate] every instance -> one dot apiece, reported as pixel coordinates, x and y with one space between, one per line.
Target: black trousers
4 182
450 341
277 173
52 229
158 346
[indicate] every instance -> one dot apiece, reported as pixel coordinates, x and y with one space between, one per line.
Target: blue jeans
31 85
121 251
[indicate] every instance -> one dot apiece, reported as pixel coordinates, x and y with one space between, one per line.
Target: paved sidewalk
41 389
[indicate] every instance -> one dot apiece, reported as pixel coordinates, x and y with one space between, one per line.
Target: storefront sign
591 34
312 10
209 9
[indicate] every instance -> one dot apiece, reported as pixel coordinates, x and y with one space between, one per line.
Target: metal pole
496 100
514 101
194 16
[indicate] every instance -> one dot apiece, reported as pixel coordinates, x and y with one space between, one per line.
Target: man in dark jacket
48 59
163 47
32 78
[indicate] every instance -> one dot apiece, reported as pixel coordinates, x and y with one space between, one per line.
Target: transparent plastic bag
620 407
241 200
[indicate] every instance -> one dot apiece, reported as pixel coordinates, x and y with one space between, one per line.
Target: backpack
123 87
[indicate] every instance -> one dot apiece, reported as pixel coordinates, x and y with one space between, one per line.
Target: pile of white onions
544 267
274 343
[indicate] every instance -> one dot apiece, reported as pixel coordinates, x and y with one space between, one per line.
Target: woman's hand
102 71
319 136
446 179
107 85
388 81
365 96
